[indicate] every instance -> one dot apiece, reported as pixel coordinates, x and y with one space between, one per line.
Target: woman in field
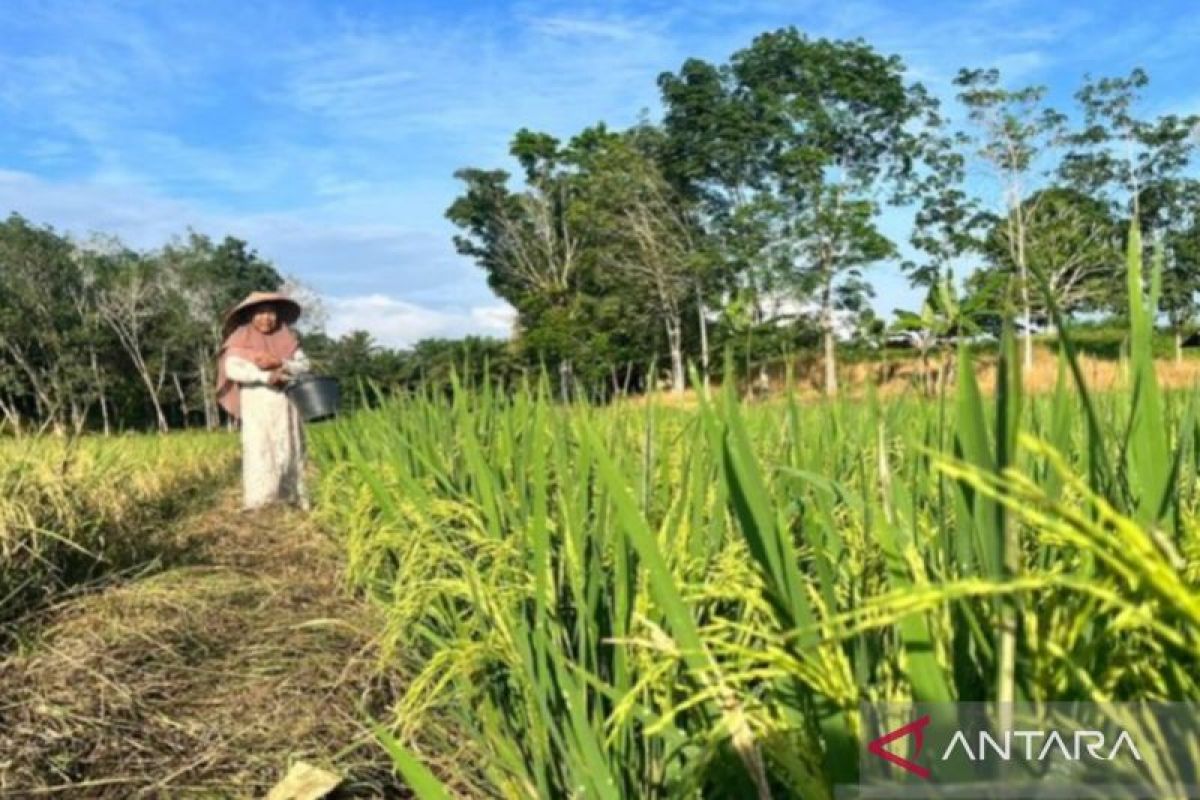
260 353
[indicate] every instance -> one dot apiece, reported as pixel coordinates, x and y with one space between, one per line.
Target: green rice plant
654 601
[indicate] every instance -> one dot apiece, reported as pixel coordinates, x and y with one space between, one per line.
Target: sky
326 134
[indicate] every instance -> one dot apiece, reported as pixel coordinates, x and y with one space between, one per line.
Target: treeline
96 335
750 215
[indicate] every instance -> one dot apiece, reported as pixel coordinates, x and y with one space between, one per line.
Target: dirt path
204 679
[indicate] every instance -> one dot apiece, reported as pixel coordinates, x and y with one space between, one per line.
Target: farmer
260 353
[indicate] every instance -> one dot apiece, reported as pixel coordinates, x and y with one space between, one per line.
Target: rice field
75 510
662 602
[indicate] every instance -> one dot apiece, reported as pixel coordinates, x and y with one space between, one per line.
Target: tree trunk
703 337
945 372
564 380
134 351
144 373
100 391
159 417
1178 346
675 343
44 405
827 335
183 403
926 387
11 415
762 384
206 392
156 393
79 414
1028 333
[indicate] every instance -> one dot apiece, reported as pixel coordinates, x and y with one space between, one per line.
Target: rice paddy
663 602
666 600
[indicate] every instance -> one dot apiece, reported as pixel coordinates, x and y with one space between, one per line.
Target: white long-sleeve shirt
272 434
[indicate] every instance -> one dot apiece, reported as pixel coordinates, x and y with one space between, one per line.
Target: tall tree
1014 132
132 298
713 153
648 240
1140 168
42 335
841 129
948 222
531 243
1125 159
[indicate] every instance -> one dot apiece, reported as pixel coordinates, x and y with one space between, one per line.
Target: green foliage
582 252
43 338
659 602
1109 339
819 130
1075 242
96 333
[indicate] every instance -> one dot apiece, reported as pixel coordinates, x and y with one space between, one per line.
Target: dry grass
207 679
904 377
74 512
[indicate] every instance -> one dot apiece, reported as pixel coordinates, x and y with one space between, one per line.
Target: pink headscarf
246 341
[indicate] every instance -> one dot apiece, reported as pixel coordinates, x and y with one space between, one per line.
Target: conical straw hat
287 308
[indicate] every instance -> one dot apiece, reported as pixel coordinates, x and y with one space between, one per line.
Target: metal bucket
316 396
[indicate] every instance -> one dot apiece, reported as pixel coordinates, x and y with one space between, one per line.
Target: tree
105 352
1076 244
548 253
1123 159
1139 167
1014 131
1181 267
42 335
713 153
530 242
132 297
840 128
649 241
947 223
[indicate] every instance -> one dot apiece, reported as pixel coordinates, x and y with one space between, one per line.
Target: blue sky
327 133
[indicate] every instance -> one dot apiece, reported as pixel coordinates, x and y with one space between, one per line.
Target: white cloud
398 323
566 26
1017 66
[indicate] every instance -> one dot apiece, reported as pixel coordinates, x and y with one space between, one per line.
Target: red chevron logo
915 729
